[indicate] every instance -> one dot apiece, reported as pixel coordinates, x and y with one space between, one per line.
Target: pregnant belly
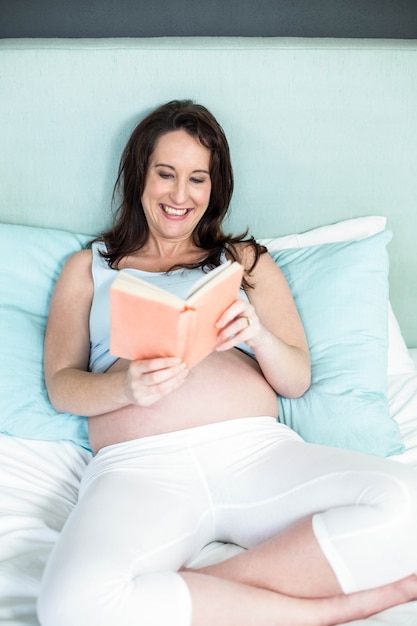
226 385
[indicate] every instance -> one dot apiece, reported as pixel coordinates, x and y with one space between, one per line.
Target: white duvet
38 488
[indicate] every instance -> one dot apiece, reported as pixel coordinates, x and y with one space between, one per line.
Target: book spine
186 324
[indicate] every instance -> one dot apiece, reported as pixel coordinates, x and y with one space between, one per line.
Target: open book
147 321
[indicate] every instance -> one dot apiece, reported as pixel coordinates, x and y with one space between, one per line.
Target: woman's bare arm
70 385
276 334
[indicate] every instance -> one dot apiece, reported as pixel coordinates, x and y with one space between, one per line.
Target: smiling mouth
171 211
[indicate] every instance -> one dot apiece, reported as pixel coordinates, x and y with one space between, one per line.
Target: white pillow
399 357
355 229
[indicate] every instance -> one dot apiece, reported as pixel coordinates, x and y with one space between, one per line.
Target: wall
265 18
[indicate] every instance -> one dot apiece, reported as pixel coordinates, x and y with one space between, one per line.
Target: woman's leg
291 562
138 519
117 558
224 602
363 535
116 563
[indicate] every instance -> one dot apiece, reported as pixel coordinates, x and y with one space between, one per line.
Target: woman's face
177 186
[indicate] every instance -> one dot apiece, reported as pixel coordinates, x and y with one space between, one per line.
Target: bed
322 135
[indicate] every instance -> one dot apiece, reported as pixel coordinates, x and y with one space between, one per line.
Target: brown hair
130 229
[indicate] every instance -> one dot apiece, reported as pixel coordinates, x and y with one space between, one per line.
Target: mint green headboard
320 130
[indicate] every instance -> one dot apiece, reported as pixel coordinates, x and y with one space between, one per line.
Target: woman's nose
179 192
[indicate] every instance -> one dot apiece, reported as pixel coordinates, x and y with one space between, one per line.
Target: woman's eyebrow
164 165
173 168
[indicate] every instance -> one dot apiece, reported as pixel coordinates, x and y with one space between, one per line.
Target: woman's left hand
239 323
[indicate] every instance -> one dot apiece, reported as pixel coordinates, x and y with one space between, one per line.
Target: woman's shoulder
78 263
75 279
81 257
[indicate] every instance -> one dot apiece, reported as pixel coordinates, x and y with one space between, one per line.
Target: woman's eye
197 181
165 175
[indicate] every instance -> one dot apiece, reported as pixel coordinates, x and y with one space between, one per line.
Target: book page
132 284
207 278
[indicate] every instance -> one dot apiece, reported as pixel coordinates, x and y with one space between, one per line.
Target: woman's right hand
147 381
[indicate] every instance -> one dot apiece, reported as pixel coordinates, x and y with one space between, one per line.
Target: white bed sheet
38 488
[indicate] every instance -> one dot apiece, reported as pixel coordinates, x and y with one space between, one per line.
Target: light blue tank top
177 282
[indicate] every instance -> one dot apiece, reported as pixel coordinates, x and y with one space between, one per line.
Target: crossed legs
145 512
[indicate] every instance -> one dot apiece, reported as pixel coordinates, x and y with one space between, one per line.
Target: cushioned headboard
320 130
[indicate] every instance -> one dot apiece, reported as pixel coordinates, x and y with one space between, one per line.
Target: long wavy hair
130 230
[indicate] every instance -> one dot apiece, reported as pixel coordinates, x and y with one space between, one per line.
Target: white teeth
171 211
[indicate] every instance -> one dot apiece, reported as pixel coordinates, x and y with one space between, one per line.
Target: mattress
38 488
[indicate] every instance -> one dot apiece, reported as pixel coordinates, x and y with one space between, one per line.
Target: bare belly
225 386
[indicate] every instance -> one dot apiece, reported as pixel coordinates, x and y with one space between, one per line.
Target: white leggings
149 506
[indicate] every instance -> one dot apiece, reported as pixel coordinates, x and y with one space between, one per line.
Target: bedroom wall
263 18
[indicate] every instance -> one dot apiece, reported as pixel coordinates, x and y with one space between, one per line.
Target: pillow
341 291
399 360
36 257
346 230
32 260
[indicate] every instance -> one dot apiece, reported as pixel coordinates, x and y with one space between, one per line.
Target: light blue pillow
341 291
32 259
